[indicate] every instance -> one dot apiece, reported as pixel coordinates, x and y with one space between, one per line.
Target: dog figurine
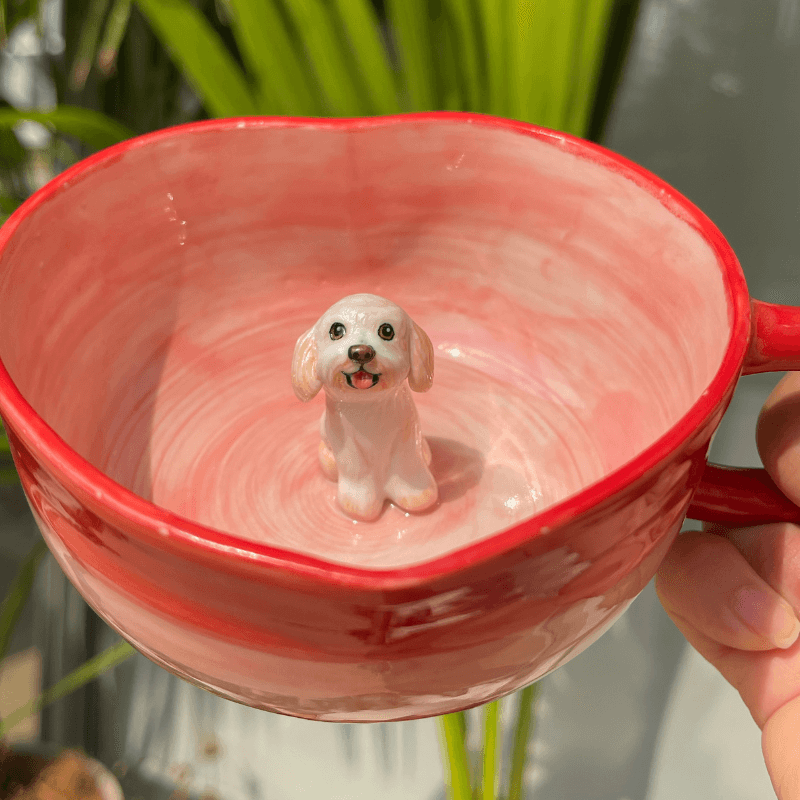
361 351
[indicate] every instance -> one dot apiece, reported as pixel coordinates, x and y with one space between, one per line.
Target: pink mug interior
151 303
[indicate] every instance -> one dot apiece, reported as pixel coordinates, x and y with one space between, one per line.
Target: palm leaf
522 56
116 26
587 69
469 45
87 42
410 22
563 55
91 127
273 59
451 86
360 24
202 57
326 51
493 15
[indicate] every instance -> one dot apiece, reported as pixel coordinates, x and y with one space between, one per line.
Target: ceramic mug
590 325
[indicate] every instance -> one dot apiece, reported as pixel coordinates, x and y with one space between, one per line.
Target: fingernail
767 616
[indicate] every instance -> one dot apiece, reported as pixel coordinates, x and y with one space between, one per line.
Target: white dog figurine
361 351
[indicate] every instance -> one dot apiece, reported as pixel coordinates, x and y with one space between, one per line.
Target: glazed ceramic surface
589 325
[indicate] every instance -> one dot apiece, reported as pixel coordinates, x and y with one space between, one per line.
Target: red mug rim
183 533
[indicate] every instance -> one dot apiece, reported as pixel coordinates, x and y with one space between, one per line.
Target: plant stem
452 727
522 733
79 677
489 780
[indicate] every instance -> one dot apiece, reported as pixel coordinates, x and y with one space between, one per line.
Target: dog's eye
386 331
337 330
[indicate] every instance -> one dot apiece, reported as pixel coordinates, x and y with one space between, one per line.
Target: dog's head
361 347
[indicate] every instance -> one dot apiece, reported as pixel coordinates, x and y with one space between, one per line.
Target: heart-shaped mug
589 327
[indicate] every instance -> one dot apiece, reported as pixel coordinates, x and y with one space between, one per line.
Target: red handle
739 497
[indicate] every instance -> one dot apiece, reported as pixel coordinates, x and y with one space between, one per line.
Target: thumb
778 436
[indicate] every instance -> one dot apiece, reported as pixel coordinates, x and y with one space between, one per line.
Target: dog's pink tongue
362 379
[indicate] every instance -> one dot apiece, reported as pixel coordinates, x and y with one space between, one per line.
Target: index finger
778 436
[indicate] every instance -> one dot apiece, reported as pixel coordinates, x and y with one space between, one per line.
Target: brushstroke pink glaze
590 325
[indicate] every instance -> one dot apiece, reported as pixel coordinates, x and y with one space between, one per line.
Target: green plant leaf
619 31
360 23
222 8
564 42
17 596
12 153
587 72
523 55
523 729
489 772
79 677
87 42
326 52
451 86
469 46
533 24
19 10
493 19
273 59
452 730
201 55
8 476
113 35
91 127
409 21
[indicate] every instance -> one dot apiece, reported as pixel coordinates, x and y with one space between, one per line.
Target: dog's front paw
413 498
360 500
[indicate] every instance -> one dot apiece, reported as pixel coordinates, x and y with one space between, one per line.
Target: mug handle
738 496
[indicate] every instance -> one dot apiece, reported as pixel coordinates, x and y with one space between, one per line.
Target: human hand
735 595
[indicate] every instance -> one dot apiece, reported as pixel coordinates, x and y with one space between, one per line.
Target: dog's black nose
360 353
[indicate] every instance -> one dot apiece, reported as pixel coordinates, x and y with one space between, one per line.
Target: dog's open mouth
361 379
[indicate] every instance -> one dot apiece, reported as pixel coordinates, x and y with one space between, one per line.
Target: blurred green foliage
534 60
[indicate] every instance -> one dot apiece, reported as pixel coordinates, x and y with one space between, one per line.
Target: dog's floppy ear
420 377
305 382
